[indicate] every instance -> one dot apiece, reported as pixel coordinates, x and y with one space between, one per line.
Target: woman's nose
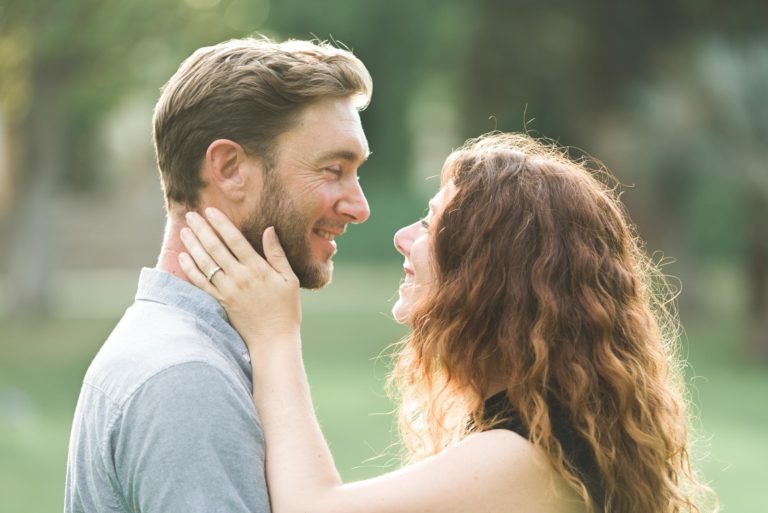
404 239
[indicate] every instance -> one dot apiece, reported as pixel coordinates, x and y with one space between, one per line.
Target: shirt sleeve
189 441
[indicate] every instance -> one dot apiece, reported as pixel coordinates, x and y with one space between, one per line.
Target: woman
540 371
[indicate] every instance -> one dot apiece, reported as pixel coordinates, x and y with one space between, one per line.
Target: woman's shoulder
499 414
515 472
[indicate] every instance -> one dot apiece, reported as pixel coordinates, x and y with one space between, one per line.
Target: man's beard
276 209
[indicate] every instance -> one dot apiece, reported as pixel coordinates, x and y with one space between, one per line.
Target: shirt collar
162 287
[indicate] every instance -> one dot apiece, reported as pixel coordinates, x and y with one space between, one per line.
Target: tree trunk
757 275
29 251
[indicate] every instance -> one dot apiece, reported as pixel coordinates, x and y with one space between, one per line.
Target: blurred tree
570 65
732 82
704 124
63 66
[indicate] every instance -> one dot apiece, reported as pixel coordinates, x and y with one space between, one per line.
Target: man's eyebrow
347 155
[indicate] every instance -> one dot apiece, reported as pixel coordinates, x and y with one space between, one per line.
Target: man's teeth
325 235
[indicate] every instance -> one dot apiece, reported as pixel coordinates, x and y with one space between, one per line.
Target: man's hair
249 91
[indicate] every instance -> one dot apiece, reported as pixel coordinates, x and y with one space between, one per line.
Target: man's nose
354 205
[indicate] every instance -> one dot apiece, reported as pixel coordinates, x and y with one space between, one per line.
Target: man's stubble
276 208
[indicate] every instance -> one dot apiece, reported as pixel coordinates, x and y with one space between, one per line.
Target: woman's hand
261 296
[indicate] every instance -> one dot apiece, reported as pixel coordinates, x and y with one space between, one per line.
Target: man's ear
226 164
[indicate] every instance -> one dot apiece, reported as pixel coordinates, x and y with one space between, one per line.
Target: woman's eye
424 224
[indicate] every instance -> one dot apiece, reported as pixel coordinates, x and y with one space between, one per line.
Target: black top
576 450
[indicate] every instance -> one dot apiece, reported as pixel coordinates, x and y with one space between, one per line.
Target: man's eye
335 171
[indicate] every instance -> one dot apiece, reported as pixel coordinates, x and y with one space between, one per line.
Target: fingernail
190 216
185 233
210 211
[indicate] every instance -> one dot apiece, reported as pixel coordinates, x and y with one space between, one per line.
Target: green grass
41 366
731 395
347 327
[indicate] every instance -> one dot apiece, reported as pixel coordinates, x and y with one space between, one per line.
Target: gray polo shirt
165 421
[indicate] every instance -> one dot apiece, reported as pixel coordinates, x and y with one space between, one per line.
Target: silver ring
213 273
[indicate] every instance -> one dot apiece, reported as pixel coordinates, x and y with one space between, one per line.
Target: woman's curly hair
543 287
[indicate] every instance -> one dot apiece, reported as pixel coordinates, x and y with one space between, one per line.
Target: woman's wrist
280 356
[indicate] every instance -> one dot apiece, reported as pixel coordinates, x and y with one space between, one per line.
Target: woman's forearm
300 468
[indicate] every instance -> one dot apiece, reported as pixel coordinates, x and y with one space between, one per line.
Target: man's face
312 191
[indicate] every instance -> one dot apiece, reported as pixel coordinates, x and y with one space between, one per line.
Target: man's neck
168 260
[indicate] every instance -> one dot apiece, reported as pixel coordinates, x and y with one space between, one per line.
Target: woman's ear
226 166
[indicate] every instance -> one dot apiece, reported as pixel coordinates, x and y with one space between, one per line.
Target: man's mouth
329 231
324 234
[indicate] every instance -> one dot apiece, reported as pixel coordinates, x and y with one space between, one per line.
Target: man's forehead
326 127
349 146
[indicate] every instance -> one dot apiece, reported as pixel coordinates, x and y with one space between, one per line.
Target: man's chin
316 275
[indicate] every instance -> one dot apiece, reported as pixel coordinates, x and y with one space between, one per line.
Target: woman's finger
210 243
275 254
232 236
196 276
201 259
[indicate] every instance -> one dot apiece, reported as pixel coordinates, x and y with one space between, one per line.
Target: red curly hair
543 287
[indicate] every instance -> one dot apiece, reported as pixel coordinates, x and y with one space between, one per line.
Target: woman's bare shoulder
518 474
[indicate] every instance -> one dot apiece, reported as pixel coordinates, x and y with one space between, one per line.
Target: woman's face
414 242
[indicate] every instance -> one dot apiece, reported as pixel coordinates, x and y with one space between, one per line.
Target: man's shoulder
149 340
161 403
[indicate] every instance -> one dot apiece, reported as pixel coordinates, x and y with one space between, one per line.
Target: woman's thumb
273 252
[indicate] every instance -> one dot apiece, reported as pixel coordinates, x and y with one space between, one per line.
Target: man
269 133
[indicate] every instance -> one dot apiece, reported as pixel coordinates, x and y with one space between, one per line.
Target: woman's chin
402 313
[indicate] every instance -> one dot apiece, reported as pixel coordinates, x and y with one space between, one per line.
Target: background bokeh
671 95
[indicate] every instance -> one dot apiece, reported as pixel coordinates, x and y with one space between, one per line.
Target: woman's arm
491 471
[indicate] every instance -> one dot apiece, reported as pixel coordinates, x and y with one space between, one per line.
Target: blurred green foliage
565 66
